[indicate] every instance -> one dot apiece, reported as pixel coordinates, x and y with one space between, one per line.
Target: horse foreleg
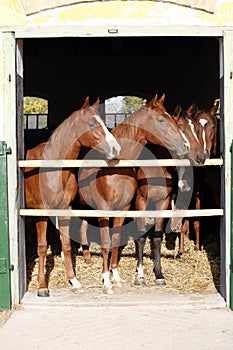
105 249
184 230
157 242
157 237
140 204
64 226
139 245
41 228
84 241
116 241
197 224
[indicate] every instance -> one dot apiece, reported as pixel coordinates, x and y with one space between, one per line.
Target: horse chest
117 190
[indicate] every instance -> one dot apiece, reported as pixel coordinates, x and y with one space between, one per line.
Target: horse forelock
204 113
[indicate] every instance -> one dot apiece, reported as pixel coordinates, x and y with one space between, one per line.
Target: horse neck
131 138
64 142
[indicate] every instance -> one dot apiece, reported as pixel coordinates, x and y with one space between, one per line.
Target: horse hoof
139 281
43 292
79 290
108 290
160 282
117 284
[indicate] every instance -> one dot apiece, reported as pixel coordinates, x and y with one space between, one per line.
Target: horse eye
91 125
161 120
212 126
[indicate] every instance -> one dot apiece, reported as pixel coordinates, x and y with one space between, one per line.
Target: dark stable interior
66 70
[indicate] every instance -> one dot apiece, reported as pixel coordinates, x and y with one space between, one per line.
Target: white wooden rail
98 163
123 213
117 163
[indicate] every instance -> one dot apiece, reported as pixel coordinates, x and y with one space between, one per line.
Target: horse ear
176 113
86 103
97 102
151 103
192 110
213 110
162 99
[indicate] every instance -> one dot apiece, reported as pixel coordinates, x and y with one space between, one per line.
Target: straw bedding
193 272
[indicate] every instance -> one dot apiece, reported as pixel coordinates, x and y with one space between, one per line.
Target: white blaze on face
173 204
112 143
203 123
193 130
187 143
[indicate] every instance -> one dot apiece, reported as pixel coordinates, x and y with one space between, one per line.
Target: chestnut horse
157 185
208 121
114 188
56 188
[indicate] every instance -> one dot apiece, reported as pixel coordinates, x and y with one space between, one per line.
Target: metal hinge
3 266
4 149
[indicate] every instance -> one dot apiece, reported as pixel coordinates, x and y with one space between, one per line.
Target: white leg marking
140 271
75 283
106 278
116 276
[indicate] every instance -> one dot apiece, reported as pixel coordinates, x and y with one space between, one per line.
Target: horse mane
61 137
128 128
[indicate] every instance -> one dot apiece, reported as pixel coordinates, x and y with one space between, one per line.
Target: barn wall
35 6
116 12
98 19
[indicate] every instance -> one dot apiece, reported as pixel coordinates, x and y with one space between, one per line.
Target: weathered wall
16 14
86 14
12 13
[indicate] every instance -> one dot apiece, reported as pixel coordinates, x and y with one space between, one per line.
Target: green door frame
5 267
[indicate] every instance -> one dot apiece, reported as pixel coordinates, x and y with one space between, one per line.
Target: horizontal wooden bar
80 30
98 163
118 213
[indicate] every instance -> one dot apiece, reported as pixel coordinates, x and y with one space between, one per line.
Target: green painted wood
5 267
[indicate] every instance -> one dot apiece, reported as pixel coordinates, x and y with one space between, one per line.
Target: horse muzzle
114 151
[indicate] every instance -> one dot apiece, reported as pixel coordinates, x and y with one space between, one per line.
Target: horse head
190 131
162 128
93 133
207 123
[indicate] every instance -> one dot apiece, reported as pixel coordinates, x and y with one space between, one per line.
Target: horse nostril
115 151
207 154
199 159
